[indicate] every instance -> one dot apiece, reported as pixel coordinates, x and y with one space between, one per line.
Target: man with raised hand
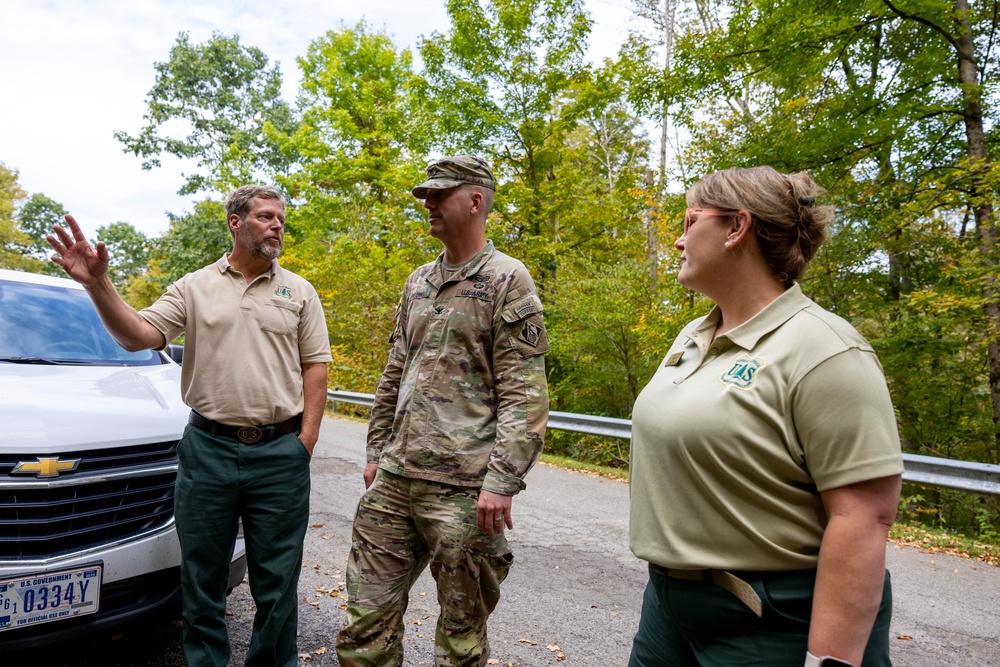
254 374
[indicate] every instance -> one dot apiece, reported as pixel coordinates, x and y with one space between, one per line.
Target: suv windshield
48 324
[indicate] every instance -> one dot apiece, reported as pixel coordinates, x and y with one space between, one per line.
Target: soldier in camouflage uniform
458 420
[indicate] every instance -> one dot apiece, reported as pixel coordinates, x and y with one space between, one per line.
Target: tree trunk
981 197
652 242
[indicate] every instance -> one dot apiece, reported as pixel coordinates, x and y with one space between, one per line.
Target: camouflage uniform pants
401 525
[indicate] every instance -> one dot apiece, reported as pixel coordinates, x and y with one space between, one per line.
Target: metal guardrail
927 470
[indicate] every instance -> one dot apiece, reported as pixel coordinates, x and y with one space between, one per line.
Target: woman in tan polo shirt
765 460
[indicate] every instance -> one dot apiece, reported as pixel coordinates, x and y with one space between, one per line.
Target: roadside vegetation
915 526
891 105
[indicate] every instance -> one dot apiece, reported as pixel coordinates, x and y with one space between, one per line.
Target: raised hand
76 256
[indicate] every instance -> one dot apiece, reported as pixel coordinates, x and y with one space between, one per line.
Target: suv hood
64 408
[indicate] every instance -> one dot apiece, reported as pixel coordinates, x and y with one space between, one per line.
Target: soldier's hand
76 256
493 512
369 474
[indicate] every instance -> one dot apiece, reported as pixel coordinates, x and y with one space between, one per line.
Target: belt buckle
248 435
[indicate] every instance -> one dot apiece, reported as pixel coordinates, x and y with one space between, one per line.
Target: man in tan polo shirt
254 374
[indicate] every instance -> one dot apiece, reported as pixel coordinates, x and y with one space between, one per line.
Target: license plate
49 596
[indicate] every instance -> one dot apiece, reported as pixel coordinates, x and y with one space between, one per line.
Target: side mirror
176 352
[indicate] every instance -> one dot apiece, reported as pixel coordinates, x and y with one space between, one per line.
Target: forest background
891 105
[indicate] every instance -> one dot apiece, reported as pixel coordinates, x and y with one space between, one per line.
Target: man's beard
261 249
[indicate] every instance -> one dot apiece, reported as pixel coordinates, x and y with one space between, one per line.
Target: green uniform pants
401 525
221 480
698 624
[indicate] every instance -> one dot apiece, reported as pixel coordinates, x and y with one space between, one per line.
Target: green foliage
225 96
607 337
578 464
500 82
959 513
361 140
193 240
18 248
36 218
128 249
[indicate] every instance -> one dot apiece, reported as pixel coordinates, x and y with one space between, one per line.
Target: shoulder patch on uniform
530 333
743 373
522 308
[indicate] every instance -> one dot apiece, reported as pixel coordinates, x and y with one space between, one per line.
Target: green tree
194 240
356 231
227 97
500 80
36 218
128 249
15 245
362 139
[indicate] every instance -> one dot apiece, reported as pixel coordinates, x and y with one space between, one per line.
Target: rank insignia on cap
530 333
284 291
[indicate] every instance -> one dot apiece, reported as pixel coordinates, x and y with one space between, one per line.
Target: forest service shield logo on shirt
284 291
743 372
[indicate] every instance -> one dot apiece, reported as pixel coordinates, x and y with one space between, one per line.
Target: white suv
88 459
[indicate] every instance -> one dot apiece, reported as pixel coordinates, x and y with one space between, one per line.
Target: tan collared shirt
244 345
733 439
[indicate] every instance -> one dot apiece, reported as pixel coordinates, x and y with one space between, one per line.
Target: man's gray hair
238 201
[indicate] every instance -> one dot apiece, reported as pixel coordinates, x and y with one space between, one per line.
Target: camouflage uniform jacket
463 399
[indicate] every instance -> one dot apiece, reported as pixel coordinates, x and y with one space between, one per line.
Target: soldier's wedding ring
498 519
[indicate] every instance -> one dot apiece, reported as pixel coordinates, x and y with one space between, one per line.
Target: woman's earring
729 244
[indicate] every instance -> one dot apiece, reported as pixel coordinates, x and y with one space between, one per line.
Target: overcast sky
72 72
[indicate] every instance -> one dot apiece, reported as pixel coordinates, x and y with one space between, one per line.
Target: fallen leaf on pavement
553 647
528 641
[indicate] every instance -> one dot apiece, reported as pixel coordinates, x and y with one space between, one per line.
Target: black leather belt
248 435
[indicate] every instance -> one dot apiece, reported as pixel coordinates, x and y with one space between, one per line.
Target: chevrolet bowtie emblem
45 467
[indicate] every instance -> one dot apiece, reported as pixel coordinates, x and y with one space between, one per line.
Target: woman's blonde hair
788 223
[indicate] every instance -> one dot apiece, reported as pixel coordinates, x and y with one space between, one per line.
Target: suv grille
44 519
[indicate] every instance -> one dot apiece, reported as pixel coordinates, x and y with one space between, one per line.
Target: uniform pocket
279 316
488 561
789 597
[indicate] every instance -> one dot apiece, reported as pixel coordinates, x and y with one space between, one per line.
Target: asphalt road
573 595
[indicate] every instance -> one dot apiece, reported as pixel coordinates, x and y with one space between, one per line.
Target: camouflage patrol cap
450 172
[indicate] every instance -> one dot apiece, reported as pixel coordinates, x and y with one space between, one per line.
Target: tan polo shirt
732 440
244 345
